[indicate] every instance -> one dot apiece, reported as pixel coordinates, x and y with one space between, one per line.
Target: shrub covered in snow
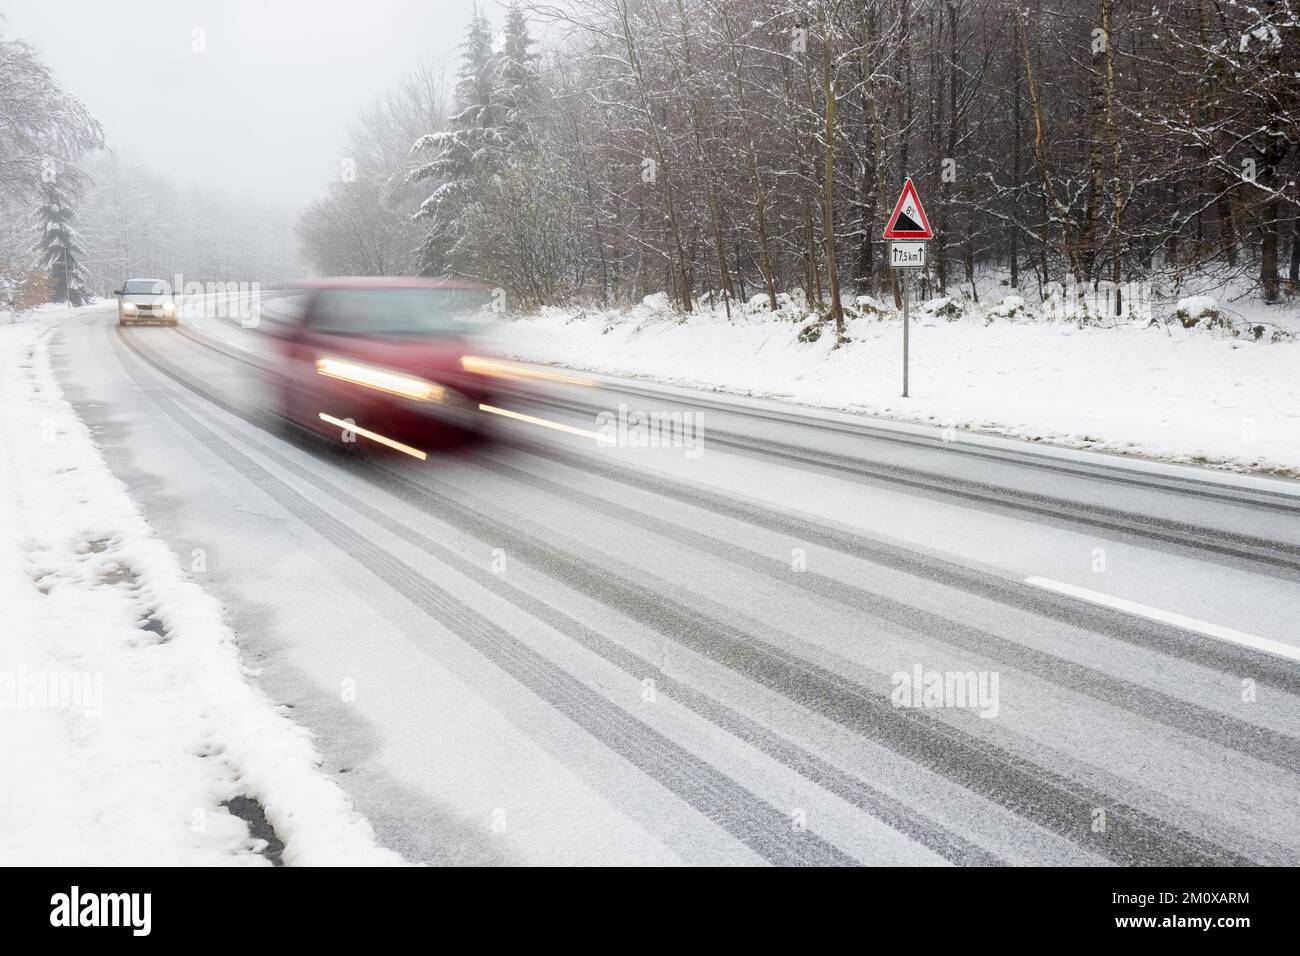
1013 306
945 307
1200 310
811 332
789 305
864 305
792 301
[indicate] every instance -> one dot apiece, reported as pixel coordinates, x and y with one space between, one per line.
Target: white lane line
545 423
1289 651
374 436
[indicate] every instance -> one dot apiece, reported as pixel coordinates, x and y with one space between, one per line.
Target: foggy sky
262 112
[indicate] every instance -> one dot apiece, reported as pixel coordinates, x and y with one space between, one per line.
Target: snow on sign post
907 231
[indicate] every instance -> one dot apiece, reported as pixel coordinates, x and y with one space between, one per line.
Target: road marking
545 423
374 436
1289 651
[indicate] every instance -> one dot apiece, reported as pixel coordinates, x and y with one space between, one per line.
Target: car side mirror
117 292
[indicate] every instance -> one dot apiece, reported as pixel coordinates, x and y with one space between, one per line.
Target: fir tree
465 151
516 81
58 247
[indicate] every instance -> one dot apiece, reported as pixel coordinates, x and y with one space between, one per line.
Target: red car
386 362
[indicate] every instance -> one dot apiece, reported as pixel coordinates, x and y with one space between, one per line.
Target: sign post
906 323
908 230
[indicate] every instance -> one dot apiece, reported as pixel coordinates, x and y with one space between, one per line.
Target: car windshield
388 312
144 287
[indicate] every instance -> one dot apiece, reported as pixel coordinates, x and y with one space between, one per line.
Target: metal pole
905 324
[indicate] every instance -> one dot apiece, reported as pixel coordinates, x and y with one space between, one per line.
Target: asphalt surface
550 650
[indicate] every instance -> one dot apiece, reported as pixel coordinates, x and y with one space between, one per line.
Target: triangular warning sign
909 220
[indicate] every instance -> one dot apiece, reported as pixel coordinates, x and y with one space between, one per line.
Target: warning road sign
909 220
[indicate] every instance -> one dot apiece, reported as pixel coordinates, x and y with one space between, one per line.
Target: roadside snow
121 739
1160 391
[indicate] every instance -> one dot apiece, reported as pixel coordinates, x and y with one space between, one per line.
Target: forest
738 151
718 150
78 217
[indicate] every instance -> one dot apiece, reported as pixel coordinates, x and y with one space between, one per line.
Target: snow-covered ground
1202 395
127 721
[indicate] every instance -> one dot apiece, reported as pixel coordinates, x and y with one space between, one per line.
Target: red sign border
892 233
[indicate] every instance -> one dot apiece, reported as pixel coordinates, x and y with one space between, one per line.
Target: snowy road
556 652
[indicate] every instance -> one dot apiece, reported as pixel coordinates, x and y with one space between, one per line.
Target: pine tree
475 87
58 246
39 123
465 151
517 84
1161 144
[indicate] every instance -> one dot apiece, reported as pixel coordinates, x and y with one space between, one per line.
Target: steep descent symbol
909 220
904 222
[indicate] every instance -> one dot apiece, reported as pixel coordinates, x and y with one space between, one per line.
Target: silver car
145 300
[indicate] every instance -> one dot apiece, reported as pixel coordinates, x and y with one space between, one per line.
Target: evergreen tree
58 247
465 151
758 145
39 124
517 84
475 87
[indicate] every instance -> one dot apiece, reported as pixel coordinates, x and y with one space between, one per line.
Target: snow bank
1159 391
126 719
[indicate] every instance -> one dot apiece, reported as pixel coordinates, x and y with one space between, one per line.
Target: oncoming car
383 362
145 300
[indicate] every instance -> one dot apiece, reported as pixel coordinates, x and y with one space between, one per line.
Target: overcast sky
262 111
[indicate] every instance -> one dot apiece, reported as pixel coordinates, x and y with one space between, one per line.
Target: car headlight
382 380
128 306
169 310
496 368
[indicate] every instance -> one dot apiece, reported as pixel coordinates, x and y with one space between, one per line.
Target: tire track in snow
745 816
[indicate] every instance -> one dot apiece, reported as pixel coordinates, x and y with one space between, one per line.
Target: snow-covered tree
42 129
715 149
39 122
517 83
467 150
134 221
351 232
58 247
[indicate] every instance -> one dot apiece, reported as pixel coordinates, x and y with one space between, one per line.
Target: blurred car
145 300
386 361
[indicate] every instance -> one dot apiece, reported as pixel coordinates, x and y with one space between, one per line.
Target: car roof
146 280
389 282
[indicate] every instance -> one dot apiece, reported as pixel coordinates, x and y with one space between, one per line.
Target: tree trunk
1014 238
661 157
1271 226
828 195
751 155
1117 238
